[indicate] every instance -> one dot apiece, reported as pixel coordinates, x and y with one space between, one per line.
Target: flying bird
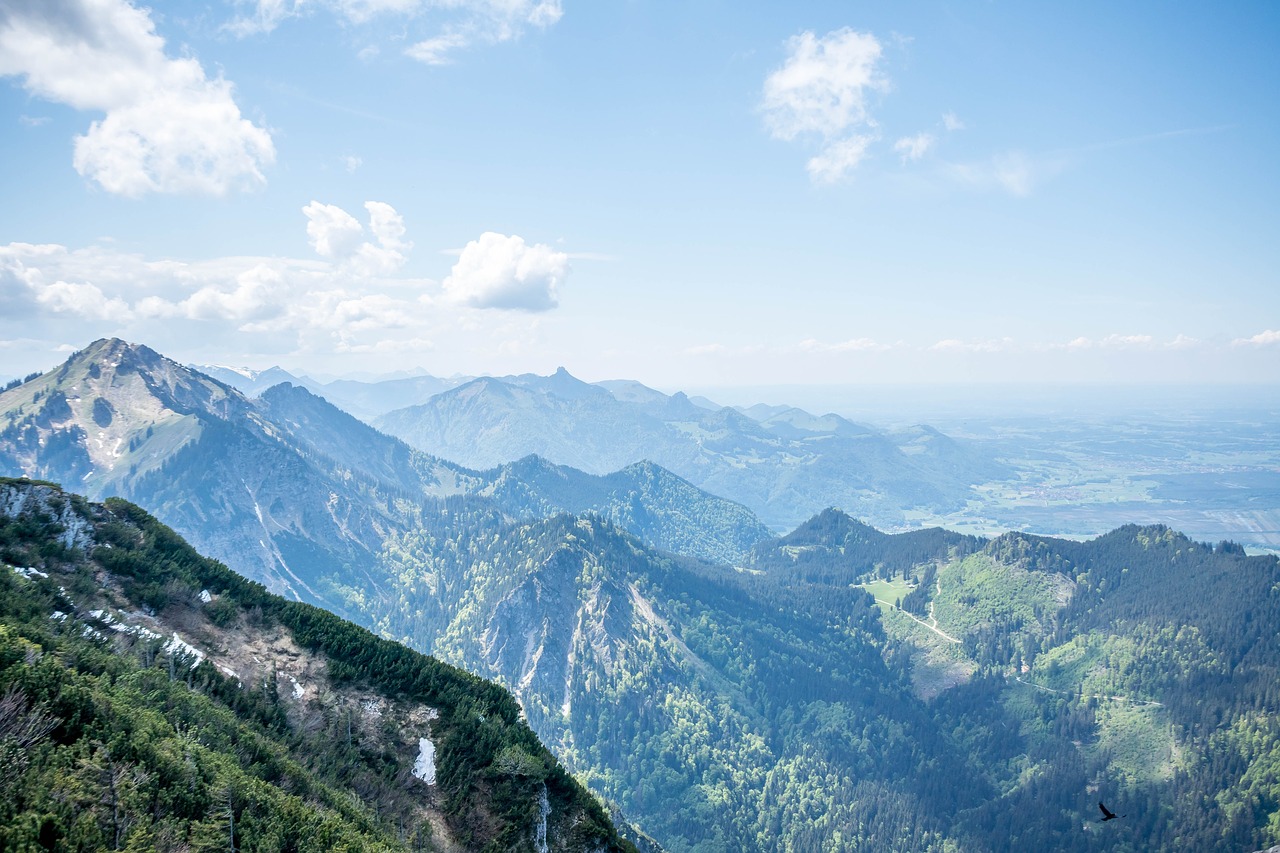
1107 814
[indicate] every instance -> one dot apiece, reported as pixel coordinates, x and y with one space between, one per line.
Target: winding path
1138 703
914 618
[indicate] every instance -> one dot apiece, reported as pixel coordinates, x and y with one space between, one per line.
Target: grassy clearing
887 592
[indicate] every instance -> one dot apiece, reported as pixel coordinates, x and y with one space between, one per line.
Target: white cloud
913 147
167 127
337 235
436 50
82 299
838 159
1271 337
1184 342
952 122
1124 342
1014 172
1127 341
351 162
462 23
484 21
987 346
316 309
821 92
497 271
266 16
852 345
331 231
26 288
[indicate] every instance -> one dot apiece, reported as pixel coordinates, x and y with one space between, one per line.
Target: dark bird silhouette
1107 814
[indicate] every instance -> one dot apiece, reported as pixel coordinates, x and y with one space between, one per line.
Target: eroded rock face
47 504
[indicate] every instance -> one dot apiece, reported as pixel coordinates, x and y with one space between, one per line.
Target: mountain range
782 462
834 688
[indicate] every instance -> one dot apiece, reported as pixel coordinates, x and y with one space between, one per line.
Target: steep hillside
1139 666
644 499
152 699
784 465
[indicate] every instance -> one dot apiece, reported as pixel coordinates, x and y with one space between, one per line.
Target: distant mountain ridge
783 463
365 400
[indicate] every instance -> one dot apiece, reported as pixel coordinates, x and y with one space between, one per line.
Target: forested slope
152 699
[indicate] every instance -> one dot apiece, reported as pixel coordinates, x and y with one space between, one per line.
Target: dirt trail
944 635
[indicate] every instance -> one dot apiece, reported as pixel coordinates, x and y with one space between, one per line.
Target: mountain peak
103 406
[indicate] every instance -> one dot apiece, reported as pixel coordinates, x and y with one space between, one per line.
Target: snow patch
179 646
298 689
29 573
424 767
58 616
206 596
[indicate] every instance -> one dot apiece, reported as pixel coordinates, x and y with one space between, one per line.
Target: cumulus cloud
952 122
1271 337
347 298
912 148
27 288
338 236
500 271
166 127
821 92
331 231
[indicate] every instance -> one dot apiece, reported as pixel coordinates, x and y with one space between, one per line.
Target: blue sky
694 194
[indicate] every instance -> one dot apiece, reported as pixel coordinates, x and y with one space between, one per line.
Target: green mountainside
152 699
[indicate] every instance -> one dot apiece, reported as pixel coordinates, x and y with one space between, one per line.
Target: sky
692 194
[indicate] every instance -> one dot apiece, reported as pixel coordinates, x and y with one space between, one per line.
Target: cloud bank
351 297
